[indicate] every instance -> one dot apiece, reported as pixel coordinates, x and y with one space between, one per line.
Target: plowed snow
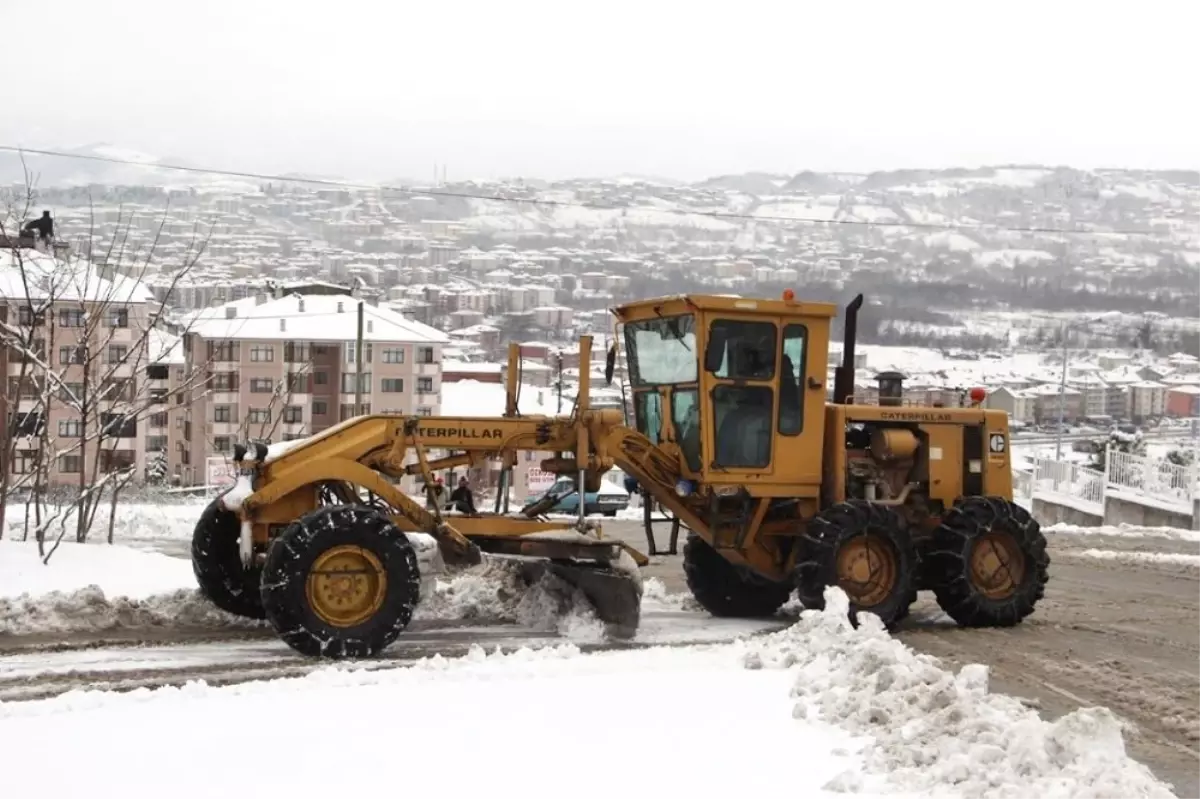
936 732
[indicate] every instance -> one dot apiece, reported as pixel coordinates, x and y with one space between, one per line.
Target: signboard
219 472
538 479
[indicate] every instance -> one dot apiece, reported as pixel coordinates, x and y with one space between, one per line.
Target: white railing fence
1076 484
1151 481
1153 478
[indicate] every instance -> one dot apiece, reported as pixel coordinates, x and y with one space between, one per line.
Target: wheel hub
346 585
997 564
866 570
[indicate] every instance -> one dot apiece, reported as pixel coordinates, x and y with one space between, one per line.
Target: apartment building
88 329
285 368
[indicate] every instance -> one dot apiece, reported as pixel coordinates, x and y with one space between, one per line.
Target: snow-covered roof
324 318
38 276
473 398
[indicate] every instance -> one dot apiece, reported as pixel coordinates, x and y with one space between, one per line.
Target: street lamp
1062 385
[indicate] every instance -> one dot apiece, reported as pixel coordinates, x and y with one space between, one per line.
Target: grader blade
616 596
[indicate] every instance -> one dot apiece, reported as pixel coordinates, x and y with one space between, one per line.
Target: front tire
864 549
988 562
341 582
217 564
723 589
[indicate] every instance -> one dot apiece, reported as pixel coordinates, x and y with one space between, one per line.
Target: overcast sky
554 89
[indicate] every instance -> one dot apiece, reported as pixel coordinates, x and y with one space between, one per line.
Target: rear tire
341 582
725 590
864 549
988 562
217 564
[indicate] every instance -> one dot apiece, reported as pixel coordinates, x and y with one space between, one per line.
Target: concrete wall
1116 511
1121 511
1048 513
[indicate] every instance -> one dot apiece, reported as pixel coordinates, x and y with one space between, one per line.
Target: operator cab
736 385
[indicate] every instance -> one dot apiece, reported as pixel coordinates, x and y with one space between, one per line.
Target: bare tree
105 329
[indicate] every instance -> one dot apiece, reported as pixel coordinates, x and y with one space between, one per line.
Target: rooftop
311 317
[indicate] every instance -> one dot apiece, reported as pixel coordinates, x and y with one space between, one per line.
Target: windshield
661 350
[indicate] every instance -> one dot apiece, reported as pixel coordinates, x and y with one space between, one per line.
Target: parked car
607 501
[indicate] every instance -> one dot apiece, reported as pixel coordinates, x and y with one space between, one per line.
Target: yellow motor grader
780 487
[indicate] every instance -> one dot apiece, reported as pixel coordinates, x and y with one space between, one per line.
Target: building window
259 416
70 464
27 318
424 385
156 443
118 317
158 396
423 411
112 460
70 428
351 355
320 408
36 350
224 381
425 355
348 383
71 355
262 385
393 355
262 353
222 444
117 353
116 389
392 385
222 413
70 317
222 351
298 383
321 378
25 462
295 353
158 420
346 410
118 425
293 414
71 392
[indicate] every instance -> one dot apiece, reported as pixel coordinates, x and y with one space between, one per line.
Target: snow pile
496 592
1188 561
90 610
655 594
935 732
119 570
136 521
1126 531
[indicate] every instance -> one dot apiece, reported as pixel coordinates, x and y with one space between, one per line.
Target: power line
725 215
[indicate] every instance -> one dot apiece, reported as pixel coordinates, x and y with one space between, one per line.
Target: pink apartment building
286 368
85 326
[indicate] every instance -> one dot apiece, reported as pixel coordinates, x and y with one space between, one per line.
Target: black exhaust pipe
843 376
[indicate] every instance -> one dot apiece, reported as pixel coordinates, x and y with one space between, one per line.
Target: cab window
741 350
743 426
792 363
649 415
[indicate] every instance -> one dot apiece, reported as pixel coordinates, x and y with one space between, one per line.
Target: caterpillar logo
460 432
915 416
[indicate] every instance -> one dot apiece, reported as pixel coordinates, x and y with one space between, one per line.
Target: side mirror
714 351
610 364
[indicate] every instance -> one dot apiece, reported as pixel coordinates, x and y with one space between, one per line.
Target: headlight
684 487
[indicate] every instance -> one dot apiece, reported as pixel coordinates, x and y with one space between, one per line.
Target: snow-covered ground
864 713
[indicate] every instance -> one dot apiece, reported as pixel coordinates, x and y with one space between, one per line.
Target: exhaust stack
843 376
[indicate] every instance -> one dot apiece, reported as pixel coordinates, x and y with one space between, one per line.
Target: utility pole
358 362
1062 398
560 382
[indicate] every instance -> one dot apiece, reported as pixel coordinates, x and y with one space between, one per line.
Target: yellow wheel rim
866 570
997 565
346 585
